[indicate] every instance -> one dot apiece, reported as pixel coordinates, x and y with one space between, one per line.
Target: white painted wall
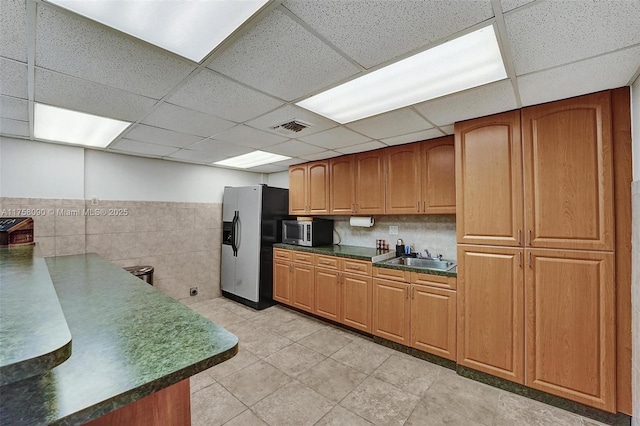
635 127
124 177
279 180
40 170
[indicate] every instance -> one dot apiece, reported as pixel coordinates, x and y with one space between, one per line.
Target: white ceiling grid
229 104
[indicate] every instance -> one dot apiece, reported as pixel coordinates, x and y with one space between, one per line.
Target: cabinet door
356 301
568 173
489 200
342 193
570 325
282 282
318 187
490 310
298 189
433 321
302 288
369 182
403 179
438 176
391 311
327 296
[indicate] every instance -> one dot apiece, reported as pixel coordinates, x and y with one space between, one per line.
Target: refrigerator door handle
234 233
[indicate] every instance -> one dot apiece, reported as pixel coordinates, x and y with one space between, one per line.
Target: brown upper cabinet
421 177
357 183
309 188
343 190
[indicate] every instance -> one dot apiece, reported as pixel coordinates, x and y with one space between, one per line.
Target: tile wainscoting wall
635 299
434 232
180 240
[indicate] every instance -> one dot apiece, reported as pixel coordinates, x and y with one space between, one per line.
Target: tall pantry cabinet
535 228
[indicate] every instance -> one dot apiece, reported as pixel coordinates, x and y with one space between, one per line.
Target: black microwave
309 233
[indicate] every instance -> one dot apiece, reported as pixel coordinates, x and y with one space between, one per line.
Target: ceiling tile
294 148
81 95
290 162
14 127
592 75
268 168
214 94
472 103
85 49
13 79
286 60
338 137
172 117
248 136
197 156
13 29
448 129
413 137
508 5
389 124
369 146
143 133
562 31
288 113
223 148
128 145
14 108
321 155
383 30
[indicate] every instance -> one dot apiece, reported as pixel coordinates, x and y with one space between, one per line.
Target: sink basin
441 265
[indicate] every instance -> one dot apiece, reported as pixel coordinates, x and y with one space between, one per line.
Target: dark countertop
363 253
34 336
129 341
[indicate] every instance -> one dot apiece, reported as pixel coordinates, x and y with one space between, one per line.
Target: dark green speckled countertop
363 253
34 336
129 341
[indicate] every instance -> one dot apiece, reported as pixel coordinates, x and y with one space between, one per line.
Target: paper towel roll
365 222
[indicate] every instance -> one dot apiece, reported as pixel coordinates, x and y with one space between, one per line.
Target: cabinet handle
520 260
529 236
424 208
530 260
418 207
406 292
413 293
355 268
519 232
357 207
324 262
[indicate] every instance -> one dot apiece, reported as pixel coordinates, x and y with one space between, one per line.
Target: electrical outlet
193 291
393 230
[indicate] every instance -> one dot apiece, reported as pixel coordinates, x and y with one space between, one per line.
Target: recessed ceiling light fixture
252 159
63 125
465 62
190 29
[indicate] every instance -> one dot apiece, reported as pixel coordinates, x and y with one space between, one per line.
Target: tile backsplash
180 240
437 233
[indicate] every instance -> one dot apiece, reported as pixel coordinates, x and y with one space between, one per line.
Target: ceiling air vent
291 127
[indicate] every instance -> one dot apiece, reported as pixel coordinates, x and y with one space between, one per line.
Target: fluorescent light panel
63 125
468 61
252 159
191 29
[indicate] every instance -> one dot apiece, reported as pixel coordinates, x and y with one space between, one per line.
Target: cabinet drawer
301 257
357 267
328 262
392 274
433 280
281 254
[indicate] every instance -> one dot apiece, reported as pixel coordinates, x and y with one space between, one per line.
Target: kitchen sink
416 262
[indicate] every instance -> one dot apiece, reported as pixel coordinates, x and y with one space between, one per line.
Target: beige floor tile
275 316
214 406
293 405
514 409
428 413
294 359
222 316
340 416
332 379
242 360
327 341
255 382
466 397
246 418
263 344
410 374
243 311
298 328
200 381
363 355
380 403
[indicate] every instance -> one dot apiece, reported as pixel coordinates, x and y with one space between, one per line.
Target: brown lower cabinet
392 311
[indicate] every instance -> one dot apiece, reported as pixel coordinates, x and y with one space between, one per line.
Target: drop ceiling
229 104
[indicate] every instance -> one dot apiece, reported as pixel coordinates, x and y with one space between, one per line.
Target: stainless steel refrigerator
251 223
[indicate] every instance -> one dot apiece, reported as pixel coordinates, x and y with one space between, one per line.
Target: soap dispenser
399 247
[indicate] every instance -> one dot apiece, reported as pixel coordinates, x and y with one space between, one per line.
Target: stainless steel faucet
428 254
